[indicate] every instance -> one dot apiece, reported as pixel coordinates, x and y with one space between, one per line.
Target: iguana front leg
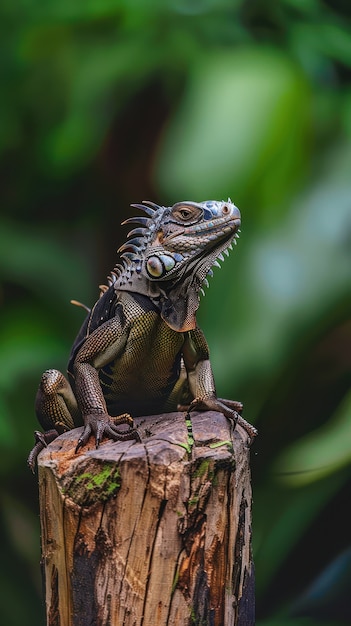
202 385
101 347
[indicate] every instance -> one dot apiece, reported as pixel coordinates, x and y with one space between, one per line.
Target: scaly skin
140 350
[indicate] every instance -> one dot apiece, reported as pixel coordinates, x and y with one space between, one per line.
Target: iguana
140 351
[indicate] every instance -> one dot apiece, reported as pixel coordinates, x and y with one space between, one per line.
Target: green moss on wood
97 485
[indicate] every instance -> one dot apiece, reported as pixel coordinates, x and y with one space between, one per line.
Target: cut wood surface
149 534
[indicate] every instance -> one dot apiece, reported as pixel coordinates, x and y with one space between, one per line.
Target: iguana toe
41 441
105 426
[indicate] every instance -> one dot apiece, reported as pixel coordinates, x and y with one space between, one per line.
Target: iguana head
171 252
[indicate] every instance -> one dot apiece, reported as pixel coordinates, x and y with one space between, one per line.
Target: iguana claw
229 408
42 440
105 426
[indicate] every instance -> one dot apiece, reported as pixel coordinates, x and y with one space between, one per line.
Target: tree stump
149 534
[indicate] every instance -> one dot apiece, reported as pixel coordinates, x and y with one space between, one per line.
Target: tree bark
156 533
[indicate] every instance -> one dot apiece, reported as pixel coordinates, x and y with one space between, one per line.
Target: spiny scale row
130 250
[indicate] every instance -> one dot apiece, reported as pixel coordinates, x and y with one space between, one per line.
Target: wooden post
149 534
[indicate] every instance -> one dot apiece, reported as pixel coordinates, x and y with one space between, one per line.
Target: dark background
104 103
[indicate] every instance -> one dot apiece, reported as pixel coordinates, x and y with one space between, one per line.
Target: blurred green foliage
104 103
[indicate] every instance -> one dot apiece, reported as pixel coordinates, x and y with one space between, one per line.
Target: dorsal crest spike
128 247
148 207
137 231
143 221
130 256
117 270
103 289
120 267
151 204
112 277
137 205
80 304
136 241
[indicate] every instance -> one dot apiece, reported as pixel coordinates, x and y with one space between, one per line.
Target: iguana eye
186 213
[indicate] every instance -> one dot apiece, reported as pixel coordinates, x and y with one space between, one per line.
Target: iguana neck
177 301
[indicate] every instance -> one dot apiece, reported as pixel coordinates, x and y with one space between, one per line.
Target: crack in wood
54 614
137 519
85 564
163 505
237 573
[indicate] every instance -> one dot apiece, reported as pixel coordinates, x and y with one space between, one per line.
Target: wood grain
149 534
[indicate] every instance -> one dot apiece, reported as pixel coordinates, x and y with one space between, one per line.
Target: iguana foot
41 441
229 408
102 425
232 404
